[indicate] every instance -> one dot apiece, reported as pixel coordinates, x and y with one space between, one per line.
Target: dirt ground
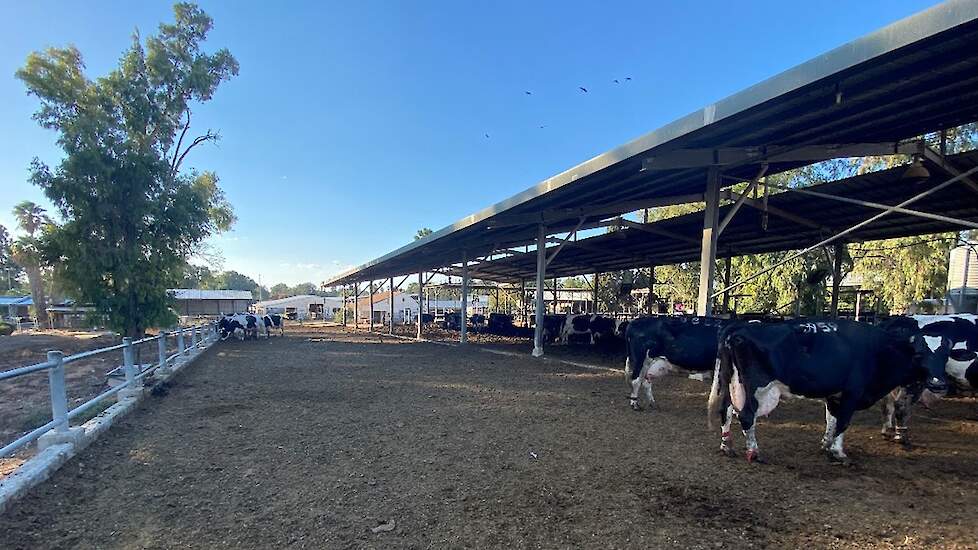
313 439
25 401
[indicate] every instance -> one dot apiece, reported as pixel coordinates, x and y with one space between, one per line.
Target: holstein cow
552 326
273 320
658 345
951 340
849 364
594 327
241 325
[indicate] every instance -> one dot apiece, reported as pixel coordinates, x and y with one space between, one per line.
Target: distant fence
132 376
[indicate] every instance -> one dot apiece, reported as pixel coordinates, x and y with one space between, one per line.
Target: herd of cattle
848 364
246 325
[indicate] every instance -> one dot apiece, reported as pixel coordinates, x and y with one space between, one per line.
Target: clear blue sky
353 124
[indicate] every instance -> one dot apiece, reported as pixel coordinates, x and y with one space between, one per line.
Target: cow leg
726 438
637 386
748 422
830 425
901 416
841 410
888 409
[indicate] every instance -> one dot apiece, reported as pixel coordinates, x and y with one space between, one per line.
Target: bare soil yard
313 439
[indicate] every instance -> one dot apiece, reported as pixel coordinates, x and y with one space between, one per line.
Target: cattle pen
414 436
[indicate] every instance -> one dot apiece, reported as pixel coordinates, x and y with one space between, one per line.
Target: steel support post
356 305
836 279
964 278
541 277
420 301
463 328
648 301
390 324
371 326
523 316
59 393
708 253
345 292
859 303
594 289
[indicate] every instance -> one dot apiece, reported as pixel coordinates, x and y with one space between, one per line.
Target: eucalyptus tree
132 213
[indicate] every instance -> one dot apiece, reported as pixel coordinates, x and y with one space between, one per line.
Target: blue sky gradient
353 124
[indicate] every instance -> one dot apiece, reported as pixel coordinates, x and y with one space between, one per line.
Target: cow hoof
753 457
728 452
635 406
840 460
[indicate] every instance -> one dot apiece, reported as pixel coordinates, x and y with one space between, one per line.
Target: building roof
16 301
307 298
197 294
915 76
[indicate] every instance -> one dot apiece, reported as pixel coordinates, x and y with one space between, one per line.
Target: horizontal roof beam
703 158
564 214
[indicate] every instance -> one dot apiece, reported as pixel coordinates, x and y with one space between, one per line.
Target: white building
405 308
193 302
302 307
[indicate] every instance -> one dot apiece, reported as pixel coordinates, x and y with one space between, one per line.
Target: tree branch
209 136
176 151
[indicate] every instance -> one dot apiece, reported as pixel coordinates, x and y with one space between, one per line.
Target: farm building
963 260
15 306
306 306
405 308
195 302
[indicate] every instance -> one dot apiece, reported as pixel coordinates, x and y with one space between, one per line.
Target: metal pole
964 277
193 337
541 274
128 359
463 335
836 280
345 292
420 302
181 345
708 253
524 318
59 394
648 300
371 306
356 305
594 289
554 306
390 328
161 346
859 295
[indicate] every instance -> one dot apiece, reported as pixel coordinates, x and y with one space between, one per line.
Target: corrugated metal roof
16 301
197 294
915 76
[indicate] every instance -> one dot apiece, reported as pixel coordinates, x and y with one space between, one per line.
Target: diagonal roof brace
939 159
741 199
650 228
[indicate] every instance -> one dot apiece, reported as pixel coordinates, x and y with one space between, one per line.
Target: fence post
59 394
181 345
129 362
161 345
193 337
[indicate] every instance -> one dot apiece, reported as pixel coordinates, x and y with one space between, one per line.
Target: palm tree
26 252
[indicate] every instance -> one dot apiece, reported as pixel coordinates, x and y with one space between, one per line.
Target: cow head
930 353
224 328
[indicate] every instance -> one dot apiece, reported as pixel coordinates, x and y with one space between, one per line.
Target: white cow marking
768 397
933 342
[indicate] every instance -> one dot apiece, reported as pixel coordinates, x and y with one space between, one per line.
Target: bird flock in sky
581 89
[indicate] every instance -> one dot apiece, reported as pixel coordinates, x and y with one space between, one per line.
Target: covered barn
192 302
304 306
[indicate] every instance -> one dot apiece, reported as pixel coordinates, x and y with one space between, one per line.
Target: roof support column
594 290
541 277
726 283
420 300
463 336
523 316
708 254
648 301
390 324
371 306
356 305
836 279
344 305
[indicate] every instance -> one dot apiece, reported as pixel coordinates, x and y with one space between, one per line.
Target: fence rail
61 415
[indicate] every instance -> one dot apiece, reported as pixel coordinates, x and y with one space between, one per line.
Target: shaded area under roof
630 248
916 76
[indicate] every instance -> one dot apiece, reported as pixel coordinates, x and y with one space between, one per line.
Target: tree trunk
37 295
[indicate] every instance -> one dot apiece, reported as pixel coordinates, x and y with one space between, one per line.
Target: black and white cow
552 326
850 365
594 328
951 339
241 325
273 320
659 345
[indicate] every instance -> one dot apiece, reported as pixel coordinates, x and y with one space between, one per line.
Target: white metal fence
134 374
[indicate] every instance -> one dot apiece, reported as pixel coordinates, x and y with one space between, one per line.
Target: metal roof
915 76
802 220
197 294
16 301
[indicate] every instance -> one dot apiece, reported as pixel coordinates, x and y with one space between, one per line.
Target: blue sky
353 124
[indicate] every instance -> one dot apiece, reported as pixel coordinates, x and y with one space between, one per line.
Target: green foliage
902 271
131 216
26 252
422 233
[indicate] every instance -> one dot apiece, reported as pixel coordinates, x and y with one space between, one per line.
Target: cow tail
720 389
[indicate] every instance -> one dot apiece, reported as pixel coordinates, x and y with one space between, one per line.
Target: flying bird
543 126
487 136
628 78
616 81
582 88
528 92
